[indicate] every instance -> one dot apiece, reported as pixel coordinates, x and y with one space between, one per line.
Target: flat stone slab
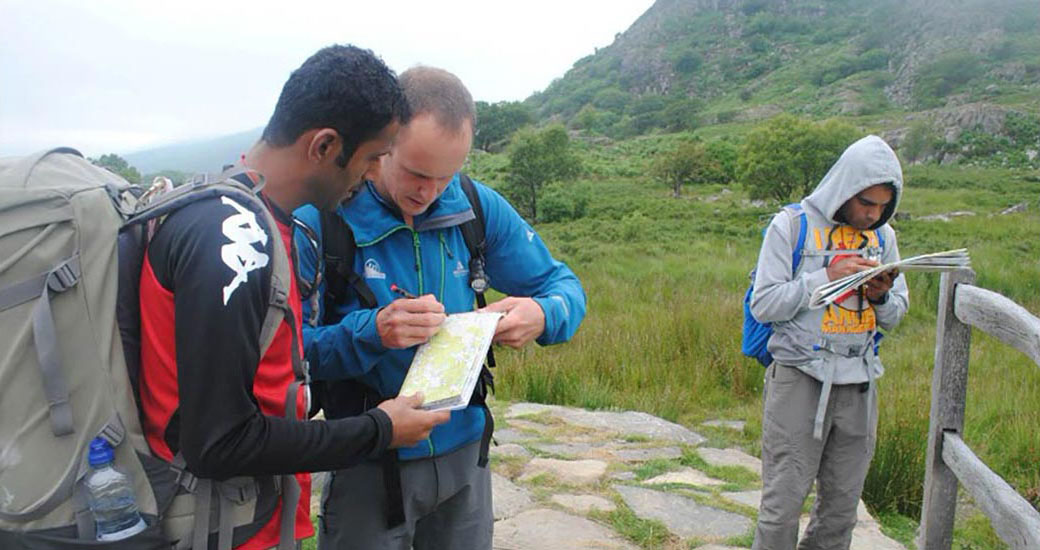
507 498
526 427
511 435
870 537
653 453
866 535
627 422
623 475
583 504
683 516
509 449
527 409
730 457
574 450
540 529
686 476
751 499
571 472
737 425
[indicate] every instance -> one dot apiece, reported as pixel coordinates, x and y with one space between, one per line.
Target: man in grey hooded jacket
820 416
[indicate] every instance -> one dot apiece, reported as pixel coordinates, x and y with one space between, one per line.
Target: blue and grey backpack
755 337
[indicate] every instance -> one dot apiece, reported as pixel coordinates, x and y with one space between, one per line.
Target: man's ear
324 144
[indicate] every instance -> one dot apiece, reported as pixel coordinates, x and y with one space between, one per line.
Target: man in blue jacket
406 223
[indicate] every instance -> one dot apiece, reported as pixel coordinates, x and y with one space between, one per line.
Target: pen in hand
404 293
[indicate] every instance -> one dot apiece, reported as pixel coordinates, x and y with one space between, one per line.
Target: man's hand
410 321
881 284
523 322
848 266
410 423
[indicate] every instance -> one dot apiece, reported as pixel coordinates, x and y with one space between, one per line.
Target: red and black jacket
205 391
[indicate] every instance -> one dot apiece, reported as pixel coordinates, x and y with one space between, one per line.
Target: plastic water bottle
110 495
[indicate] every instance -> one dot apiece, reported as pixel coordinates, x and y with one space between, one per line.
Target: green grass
647 534
665 278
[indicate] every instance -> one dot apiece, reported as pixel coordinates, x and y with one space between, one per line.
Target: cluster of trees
122 168
782 159
119 166
496 122
696 162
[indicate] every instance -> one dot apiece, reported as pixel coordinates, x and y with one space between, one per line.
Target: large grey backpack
72 242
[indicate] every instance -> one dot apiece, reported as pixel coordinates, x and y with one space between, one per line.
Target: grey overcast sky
123 75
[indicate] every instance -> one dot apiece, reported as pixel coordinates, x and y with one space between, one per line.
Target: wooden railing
949 460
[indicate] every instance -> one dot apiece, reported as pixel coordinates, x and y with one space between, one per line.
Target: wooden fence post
949 386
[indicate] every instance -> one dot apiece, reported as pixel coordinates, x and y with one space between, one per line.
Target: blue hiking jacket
432 258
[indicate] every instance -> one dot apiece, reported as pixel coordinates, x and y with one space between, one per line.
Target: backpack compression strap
63 277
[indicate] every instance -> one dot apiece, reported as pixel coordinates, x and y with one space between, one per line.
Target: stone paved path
571 479
567 478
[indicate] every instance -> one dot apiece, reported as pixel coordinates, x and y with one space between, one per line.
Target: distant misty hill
195 156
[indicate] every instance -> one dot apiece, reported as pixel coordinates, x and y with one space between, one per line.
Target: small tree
119 166
689 163
538 157
788 154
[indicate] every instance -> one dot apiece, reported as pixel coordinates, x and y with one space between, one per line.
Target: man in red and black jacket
207 393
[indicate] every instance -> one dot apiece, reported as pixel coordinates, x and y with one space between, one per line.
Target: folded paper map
950 260
446 368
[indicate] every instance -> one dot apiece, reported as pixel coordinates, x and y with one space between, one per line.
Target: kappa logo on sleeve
240 255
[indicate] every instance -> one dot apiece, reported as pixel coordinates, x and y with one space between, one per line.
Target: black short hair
342 87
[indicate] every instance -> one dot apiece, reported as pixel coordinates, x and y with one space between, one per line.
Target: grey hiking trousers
792 459
447 506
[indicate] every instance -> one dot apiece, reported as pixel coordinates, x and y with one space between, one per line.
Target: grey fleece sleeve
777 295
890 313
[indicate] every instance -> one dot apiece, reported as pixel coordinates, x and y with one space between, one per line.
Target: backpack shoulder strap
338 248
797 215
475 234
473 231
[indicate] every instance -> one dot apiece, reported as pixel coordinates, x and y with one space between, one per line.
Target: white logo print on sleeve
240 254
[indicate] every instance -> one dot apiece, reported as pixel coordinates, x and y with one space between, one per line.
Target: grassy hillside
686 63
665 278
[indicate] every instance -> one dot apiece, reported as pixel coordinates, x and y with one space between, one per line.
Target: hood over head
865 163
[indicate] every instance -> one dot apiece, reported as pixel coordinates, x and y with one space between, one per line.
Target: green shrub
944 76
561 202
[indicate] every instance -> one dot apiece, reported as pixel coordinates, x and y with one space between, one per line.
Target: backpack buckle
187 480
238 490
65 276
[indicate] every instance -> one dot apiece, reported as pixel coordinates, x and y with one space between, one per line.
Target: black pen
404 293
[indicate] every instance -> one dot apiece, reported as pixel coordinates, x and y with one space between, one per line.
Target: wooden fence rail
949 460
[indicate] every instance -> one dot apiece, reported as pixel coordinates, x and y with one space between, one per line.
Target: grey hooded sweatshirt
834 345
